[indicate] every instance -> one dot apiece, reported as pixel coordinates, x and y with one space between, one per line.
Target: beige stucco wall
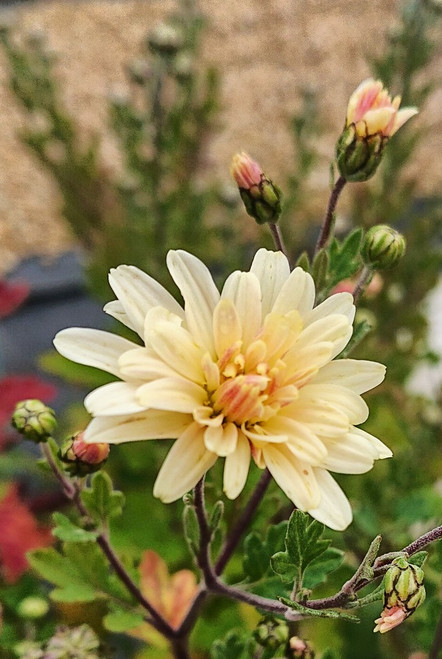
266 50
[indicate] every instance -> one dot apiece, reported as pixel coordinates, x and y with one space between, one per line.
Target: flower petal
116 310
143 364
115 398
350 454
272 270
220 439
356 374
296 479
138 293
344 400
378 448
187 462
245 292
236 468
334 509
152 424
302 364
227 328
335 328
301 441
93 347
199 292
340 303
174 394
297 292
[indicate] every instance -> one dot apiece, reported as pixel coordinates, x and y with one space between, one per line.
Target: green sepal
257 551
69 532
302 546
101 500
317 613
303 262
216 516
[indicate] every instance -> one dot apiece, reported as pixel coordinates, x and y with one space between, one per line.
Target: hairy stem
277 237
243 520
73 492
329 219
361 284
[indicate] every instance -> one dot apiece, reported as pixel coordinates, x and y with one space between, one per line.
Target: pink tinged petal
245 292
116 310
344 400
199 292
153 424
296 479
185 464
115 398
390 618
301 441
402 117
305 363
362 99
297 292
175 394
335 328
175 346
255 354
334 509
376 121
227 328
138 293
236 468
93 347
339 303
279 333
221 440
356 374
143 364
272 270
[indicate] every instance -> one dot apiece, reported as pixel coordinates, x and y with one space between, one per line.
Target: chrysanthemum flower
247 372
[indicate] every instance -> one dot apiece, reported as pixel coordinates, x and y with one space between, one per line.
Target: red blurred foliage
14 388
20 532
12 296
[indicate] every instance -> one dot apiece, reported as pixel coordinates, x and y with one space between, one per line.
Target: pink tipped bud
372 118
82 458
389 619
261 197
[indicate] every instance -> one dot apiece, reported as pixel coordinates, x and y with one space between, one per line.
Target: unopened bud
81 458
34 420
403 593
372 118
33 607
271 633
383 247
165 39
300 649
261 197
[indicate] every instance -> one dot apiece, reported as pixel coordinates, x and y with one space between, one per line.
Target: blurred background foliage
162 123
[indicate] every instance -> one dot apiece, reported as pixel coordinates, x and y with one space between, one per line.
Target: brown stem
330 214
362 282
235 534
72 492
277 237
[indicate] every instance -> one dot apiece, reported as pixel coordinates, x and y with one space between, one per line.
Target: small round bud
300 649
165 39
33 607
271 633
383 247
82 458
403 593
262 199
34 420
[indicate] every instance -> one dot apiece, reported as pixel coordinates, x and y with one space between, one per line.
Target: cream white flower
247 372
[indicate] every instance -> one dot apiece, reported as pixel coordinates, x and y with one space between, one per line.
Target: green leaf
69 532
302 546
216 516
101 500
236 645
345 258
120 620
318 613
419 558
257 552
191 528
320 268
85 376
316 573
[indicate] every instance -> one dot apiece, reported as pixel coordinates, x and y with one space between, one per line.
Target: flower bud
261 197
271 633
383 247
372 118
300 649
82 458
165 39
403 593
33 607
74 642
34 420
